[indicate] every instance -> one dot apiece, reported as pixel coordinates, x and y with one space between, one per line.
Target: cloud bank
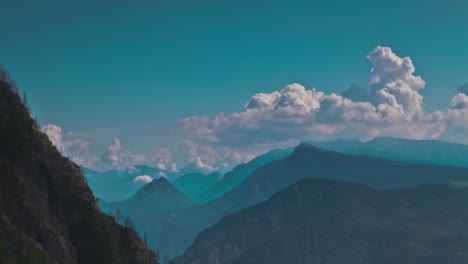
121 159
81 152
391 106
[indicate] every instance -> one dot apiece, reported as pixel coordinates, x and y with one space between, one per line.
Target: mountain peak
308 149
156 186
160 195
305 145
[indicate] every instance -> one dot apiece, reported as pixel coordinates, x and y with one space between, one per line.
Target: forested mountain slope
48 213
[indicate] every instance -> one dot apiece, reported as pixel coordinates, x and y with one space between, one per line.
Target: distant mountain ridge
424 151
157 196
178 231
327 221
241 172
194 184
118 185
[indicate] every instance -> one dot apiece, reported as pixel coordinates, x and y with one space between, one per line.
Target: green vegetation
48 213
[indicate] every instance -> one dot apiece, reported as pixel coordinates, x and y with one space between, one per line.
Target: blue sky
132 69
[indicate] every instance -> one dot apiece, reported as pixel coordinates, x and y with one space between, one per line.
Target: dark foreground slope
325 221
181 227
48 214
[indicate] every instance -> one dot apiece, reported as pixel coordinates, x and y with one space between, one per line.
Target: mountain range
423 151
119 185
383 201
327 221
195 184
241 172
178 229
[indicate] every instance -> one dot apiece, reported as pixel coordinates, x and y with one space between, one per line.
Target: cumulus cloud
456 119
121 159
70 145
55 135
81 152
174 167
460 102
209 157
392 107
143 179
191 155
162 158
393 82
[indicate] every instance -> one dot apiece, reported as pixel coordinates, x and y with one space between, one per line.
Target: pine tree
25 99
128 222
118 215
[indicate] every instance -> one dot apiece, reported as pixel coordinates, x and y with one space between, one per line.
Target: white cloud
456 119
69 145
392 107
119 158
162 174
393 82
143 179
161 166
174 167
459 101
80 151
55 135
162 158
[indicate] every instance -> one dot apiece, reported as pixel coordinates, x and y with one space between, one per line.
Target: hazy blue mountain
148 206
240 172
179 230
327 221
191 168
155 197
194 184
115 185
48 213
428 151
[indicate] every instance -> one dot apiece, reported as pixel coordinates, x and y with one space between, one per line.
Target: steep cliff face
48 213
